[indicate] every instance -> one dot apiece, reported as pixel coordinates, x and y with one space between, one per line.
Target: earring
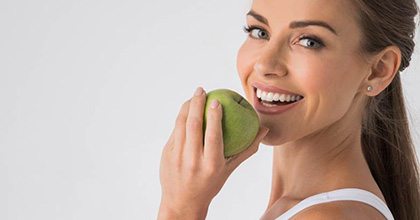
369 88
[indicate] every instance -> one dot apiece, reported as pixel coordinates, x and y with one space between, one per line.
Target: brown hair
386 139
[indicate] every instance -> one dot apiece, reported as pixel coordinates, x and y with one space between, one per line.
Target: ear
383 70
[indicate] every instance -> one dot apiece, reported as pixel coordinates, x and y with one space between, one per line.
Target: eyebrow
294 24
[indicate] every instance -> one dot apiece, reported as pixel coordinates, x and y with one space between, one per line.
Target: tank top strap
352 194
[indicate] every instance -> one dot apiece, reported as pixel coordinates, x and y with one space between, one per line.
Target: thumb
234 161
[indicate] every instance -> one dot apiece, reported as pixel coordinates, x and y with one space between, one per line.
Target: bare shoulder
344 210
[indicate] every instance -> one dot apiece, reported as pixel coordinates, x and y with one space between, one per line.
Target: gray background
89 93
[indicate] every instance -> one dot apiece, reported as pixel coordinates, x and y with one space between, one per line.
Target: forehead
340 14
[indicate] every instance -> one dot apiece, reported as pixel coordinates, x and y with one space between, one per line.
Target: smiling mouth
271 99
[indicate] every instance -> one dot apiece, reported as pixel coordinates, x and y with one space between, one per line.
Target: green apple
240 122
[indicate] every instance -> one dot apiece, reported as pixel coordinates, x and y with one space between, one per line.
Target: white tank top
352 194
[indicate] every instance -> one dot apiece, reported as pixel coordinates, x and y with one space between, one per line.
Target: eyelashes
313 38
247 29
250 30
313 42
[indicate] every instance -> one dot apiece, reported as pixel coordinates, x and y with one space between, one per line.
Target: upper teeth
271 96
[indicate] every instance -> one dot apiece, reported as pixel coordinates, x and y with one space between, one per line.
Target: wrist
168 212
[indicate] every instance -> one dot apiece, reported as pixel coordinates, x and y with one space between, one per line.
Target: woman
342 146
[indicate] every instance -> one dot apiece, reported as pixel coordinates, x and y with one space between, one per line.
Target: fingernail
214 104
198 91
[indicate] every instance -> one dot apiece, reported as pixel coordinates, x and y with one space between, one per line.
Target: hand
191 174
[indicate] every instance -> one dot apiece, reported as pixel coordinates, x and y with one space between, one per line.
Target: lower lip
272 110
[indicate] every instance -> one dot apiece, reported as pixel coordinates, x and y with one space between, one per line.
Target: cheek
317 74
312 73
245 60
330 85
245 65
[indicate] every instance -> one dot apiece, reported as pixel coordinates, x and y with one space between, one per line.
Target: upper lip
273 89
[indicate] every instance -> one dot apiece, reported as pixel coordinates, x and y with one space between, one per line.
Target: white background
89 93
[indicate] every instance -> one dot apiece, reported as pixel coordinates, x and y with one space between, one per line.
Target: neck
326 160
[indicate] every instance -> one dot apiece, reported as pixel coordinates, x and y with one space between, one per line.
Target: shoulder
340 210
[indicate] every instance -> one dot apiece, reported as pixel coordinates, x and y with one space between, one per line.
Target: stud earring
369 88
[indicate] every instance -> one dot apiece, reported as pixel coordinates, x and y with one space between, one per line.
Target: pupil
311 43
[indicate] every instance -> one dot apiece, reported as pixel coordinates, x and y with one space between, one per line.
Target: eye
256 32
311 42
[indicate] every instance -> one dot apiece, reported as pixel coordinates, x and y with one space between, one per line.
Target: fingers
213 138
178 134
236 160
194 126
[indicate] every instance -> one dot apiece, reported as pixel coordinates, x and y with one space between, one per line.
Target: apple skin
240 121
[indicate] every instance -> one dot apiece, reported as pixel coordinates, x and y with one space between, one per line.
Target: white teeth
281 98
276 97
292 98
270 96
263 94
287 99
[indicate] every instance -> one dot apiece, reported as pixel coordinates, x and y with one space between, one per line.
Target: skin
192 173
316 145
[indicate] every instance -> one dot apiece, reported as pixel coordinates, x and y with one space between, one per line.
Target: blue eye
256 32
312 42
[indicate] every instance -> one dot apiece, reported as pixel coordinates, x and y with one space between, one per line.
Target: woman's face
322 64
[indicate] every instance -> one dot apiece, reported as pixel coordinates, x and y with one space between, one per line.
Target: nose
271 61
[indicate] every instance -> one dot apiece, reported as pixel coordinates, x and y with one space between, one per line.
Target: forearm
166 213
